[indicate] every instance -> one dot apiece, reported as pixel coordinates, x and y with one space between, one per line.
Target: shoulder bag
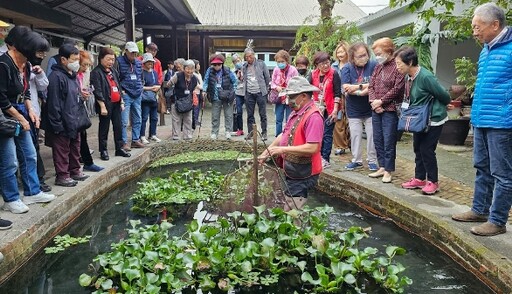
416 119
83 120
147 95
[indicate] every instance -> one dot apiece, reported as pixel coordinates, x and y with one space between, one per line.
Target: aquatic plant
244 250
63 242
181 187
199 157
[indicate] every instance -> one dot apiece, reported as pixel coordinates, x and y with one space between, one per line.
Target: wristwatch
361 87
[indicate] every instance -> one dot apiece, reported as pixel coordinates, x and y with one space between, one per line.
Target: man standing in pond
256 83
491 116
299 144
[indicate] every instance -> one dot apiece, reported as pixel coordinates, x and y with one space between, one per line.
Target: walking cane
201 118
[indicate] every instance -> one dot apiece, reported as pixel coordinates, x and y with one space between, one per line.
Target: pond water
431 270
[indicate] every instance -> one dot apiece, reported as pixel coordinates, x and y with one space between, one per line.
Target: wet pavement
489 257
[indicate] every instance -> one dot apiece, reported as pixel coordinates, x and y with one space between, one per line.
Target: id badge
133 77
114 89
187 92
253 79
218 86
405 105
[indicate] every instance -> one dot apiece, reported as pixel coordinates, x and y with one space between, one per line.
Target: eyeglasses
361 56
293 96
40 54
325 63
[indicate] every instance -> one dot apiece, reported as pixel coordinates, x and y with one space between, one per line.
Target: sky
370 6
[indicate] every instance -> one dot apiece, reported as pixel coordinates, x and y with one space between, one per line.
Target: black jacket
101 85
63 102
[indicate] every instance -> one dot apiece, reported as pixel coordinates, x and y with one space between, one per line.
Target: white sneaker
213 137
228 135
325 164
144 140
16 206
155 139
42 197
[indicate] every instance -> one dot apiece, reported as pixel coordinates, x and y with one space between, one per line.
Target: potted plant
456 129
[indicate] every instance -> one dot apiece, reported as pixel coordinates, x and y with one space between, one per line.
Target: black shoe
5 224
104 155
44 187
68 182
80 177
122 153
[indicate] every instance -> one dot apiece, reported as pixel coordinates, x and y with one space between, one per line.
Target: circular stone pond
107 222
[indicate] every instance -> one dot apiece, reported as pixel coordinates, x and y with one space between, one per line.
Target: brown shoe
137 144
469 216
488 229
126 147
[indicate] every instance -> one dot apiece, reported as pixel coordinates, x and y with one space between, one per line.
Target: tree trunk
326 7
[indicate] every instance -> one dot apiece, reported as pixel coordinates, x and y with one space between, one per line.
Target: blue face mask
281 65
238 65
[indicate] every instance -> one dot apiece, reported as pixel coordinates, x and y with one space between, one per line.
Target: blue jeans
149 110
239 122
13 151
492 151
384 137
132 108
327 139
281 110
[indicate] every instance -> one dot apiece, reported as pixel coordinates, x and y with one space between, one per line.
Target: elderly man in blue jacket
130 78
491 116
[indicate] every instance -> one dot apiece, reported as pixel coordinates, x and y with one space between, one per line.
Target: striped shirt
387 84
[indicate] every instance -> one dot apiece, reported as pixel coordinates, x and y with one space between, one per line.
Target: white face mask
381 59
74 66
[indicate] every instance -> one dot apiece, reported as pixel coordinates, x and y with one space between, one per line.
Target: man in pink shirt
298 146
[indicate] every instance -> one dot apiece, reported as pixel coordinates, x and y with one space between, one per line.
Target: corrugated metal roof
276 14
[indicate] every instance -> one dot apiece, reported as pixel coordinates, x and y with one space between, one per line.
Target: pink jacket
277 77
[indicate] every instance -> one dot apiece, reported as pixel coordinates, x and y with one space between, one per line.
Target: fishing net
241 193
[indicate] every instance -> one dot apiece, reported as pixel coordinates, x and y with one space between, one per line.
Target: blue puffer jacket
492 103
130 76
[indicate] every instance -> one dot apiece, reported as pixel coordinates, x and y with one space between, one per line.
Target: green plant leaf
84 280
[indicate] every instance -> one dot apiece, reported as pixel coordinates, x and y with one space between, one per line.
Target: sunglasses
216 64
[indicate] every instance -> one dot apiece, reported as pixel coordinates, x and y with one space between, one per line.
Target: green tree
326 34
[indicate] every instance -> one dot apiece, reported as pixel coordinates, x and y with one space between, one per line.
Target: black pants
250 103
425 150
114 115
85 152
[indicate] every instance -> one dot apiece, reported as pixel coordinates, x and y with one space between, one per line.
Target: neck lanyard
408 85
360 74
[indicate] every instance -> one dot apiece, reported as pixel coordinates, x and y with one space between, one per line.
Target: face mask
293 104
381 59
34 60
302 71
281 65
74 66
239 65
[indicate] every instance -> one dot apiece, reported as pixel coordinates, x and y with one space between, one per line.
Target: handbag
415 119
83 120
227 95
9 127
273 97
184 104
148 96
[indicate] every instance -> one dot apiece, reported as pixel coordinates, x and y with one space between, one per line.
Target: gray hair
188 63
179 61
490 12
249 51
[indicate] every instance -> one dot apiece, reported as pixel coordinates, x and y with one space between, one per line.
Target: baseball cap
131 47
147 57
